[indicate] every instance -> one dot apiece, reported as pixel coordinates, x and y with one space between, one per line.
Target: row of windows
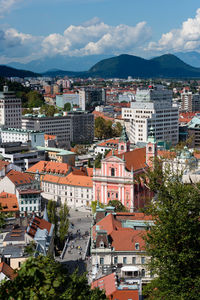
29 208
143 260
29 201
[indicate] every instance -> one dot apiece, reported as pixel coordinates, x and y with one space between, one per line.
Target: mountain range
122 66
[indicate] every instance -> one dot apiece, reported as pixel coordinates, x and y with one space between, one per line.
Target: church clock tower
124 143
151 148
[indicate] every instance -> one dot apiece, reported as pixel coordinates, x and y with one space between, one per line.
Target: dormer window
112 172
122 147
137 246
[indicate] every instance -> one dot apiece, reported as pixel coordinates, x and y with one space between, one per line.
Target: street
79 240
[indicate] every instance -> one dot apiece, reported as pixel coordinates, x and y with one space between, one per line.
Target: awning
129 269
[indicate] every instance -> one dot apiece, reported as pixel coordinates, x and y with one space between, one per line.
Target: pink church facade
119 177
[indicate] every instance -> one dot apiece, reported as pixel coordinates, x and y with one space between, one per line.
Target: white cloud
6 5
185 38
95 37
91 37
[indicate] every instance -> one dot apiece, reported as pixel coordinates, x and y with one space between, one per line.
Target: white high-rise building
153 108
10 109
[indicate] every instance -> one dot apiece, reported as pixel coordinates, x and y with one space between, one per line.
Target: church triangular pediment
113 159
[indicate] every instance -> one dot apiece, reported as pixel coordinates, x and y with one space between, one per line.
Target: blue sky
31 29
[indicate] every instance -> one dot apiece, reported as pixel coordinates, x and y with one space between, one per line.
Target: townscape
100 165
74 184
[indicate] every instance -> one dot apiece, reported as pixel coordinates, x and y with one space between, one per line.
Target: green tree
48 110
64 223
52 214
67 106
99 127
43 278
173 243
34 99
30 248
89 163
94 205
97 162
108 130
2 218
117 130
119 207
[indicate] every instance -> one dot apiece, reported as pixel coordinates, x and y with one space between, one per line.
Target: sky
34 29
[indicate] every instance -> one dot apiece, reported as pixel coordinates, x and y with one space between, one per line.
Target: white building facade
21 135
10 109
153 108
74 190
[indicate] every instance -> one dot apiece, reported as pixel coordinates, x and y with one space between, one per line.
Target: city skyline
36 29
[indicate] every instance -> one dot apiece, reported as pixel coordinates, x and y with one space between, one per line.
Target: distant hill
168 66
60 62
122 66
191 58
12 72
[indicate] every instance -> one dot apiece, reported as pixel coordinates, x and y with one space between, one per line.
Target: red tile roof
106 283
100 114
37 222
49 137
109 143
123 239
7 270
19 178
3 164
30 191
90 172
133 216
71 179
166 154
53 167
125 295
8 202
135 159
49 166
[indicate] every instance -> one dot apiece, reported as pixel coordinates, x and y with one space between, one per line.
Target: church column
102 196
106 195
123 195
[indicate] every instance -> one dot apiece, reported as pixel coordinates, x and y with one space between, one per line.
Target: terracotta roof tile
126 238
8 202
100 114
49 137
7 270
3 164
125 295
109 223
135 159
90 172
49 166
109 143
106 283
71 179
166 154
133 216
19 178
123 238
37 222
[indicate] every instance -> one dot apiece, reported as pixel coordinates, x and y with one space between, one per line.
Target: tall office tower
153 108
10 109
190 102
89 98
82 126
